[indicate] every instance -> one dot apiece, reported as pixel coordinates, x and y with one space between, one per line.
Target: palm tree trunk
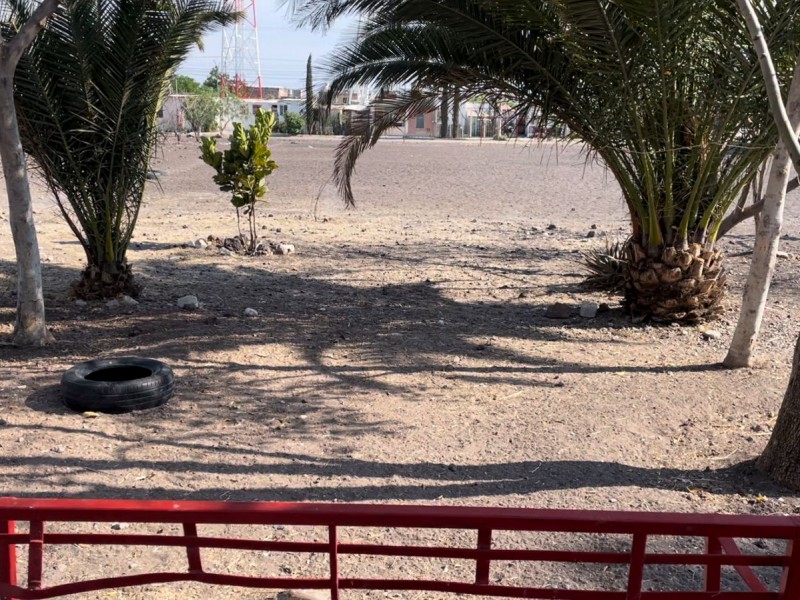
456 113
444 113
780 457
768 236
30 328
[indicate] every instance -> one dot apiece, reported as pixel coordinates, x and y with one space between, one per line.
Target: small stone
113 304
711 334
604 307
250 312
782 254
225 252
90 414
201 243
594 226
81 303
58 449
128 301
552 227
591 233
188 302
284 249
589 310
559 310
119 526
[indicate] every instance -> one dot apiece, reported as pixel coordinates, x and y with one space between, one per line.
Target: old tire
117 385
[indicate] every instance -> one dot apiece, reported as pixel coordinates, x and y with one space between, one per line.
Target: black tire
117 385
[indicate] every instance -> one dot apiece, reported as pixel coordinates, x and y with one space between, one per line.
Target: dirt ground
400 355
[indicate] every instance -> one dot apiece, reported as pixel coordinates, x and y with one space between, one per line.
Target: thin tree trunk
456 113
768 235
30 328
785 129
779 458
444 112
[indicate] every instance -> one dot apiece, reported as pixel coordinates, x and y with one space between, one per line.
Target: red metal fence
719 531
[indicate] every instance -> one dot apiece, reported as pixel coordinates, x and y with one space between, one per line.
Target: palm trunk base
106 281
780 458
685 286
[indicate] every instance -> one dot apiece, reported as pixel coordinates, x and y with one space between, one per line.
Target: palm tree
667 94
88 91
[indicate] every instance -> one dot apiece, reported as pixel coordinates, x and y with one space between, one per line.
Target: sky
283 48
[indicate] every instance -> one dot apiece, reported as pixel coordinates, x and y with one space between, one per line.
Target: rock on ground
188 302
589 309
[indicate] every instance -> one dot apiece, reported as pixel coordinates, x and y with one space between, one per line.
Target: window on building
256 108
420 121
274 108
284 109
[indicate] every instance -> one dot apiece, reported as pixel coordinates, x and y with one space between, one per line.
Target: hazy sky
284 49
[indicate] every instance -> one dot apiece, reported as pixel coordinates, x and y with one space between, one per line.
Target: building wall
422 126
171 117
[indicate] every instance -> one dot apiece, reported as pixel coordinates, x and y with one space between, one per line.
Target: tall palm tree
88 92
666 93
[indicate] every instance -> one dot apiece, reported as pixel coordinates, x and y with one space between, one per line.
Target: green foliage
212 82
667 93
88 91
607 267
202 110
309 109
182 84
242 169
294 123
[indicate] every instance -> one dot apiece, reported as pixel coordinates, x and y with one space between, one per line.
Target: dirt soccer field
401 354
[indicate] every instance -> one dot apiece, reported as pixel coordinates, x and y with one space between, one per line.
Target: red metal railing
719 531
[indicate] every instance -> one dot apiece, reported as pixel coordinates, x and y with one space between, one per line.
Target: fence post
636 567
333 549
483 565
713 572
8 558
35 555
790 582
192 549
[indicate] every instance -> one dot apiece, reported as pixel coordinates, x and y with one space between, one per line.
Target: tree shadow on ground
352 480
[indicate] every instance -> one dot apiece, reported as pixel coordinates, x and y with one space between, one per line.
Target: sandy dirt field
400 355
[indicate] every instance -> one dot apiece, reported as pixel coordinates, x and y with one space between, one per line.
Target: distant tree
309 98
231 108
183 84
294 123
30 328
212 82
202 110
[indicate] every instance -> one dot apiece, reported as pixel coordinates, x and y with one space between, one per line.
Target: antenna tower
241 62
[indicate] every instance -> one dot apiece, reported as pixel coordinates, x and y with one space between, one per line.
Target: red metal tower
241 62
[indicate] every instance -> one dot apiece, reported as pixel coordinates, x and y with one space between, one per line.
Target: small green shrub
607 267
294 123
243 169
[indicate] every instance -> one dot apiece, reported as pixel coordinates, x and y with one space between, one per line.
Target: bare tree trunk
768 235
785 129
444 121
779 458
456 113
30 328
